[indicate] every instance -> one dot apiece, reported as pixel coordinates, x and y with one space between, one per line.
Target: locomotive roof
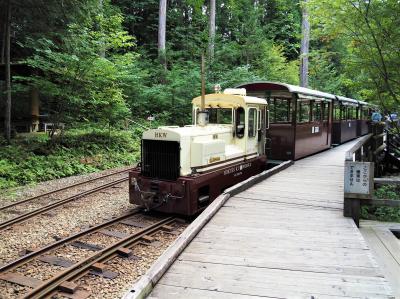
228 100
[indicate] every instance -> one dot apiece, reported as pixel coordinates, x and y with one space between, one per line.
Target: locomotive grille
160 159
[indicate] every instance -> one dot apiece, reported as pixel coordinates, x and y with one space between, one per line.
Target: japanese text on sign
357 177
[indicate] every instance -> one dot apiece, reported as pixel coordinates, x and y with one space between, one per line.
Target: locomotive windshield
220 116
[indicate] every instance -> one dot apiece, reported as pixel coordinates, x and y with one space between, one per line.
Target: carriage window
343 110
220 115
240 122
252 122
325 113
316 111
280 110
303 112
336 112
365 113
354 113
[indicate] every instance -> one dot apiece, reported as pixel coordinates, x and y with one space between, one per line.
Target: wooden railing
364 161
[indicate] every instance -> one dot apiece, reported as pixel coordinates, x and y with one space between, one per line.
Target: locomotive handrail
351 152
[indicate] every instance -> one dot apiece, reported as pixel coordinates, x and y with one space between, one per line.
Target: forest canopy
99 61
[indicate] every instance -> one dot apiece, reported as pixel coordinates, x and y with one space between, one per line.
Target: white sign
314 130
357 178
150 118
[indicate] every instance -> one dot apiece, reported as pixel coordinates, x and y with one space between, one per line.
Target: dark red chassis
182 196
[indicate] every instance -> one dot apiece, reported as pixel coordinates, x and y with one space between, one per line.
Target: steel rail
52 284
30 256
33 213
60 189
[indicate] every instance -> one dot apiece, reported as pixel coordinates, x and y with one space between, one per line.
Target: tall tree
369 31
102 52
305 45
212 30
162 24
7 124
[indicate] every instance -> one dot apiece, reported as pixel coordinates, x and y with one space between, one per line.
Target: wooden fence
365 161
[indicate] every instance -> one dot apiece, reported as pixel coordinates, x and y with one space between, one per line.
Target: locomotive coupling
150 199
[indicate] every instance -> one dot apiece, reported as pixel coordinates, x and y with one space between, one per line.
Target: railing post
358 185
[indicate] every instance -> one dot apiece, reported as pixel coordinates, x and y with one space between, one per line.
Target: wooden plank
286 255
387 181
389 266
298 264
390 242
55 260
177 292
381 202
21 279
271 282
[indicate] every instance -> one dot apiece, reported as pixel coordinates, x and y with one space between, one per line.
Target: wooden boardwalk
282 238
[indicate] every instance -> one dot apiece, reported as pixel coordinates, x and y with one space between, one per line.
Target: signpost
358 185
150 119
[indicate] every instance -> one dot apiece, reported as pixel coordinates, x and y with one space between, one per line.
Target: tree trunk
212 30
162 23
3 46
7 125
4 35
102 52
305 45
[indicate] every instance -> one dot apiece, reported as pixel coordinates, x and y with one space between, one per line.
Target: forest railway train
183 169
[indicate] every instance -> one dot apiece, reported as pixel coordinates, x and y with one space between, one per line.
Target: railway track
50 203
63 272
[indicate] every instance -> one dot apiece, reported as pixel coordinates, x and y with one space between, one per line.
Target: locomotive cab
184 168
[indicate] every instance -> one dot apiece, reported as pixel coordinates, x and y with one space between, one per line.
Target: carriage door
262 126
327 119
252 131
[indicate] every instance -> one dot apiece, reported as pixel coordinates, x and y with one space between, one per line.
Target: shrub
33 159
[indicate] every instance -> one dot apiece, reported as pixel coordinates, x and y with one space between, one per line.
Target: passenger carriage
300 119
364 112
345 120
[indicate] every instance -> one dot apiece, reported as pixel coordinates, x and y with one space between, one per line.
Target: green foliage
383 213
76 81
388 192
369 33
34 159
273 65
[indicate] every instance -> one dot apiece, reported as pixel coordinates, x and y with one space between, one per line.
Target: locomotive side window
220 115
252 122
240 122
